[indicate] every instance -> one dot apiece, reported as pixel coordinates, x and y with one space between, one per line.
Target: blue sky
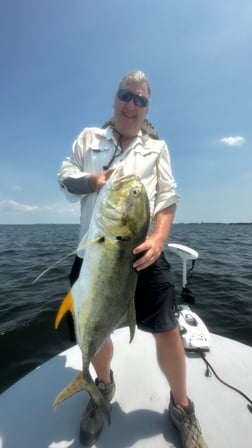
61 61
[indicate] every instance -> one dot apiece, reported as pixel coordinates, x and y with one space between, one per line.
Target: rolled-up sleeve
166 185
72 169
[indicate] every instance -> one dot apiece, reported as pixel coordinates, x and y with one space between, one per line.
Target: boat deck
139 414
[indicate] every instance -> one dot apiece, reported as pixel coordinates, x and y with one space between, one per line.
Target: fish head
124 208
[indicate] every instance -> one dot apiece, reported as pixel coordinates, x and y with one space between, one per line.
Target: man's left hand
151 248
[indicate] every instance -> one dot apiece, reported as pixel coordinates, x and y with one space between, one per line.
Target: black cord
189 275
106 167
186 295
208 373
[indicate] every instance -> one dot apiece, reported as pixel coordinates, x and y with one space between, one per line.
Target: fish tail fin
87 384
66 305
72 388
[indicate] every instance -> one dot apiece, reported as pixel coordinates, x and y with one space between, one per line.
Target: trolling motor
194 333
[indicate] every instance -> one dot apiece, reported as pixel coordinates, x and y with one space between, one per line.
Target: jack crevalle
104 292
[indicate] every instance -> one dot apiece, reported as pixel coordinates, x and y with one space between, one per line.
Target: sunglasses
126 96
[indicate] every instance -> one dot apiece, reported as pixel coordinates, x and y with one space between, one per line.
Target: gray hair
136 76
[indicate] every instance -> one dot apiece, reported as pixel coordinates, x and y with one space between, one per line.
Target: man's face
128 117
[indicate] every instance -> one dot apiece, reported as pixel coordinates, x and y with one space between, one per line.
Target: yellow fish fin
66 305
87 384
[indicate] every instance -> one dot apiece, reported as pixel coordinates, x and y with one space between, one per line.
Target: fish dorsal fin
66 305
82 245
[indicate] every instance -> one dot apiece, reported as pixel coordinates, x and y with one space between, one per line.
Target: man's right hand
96 181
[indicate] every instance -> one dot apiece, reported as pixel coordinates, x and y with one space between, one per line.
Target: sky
61 62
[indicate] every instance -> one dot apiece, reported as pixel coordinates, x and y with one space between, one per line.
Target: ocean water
221 283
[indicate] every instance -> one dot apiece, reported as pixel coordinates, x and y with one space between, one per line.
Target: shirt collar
140 138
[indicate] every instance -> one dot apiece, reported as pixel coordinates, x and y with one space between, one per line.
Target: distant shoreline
175 223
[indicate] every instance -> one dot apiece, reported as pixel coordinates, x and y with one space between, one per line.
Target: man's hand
151 248
96 181
153 245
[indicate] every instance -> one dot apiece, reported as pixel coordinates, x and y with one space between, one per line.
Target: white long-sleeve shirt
148 158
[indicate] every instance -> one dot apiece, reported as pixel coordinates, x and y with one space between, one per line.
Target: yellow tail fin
66 305
87 384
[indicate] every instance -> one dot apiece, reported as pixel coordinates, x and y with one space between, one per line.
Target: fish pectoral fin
84 244
53 266
131 316
66 305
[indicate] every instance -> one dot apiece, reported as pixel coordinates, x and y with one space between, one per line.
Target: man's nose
131 104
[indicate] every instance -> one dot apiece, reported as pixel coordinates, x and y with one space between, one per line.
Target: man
95 154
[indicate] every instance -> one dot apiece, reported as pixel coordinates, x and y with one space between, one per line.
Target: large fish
104 292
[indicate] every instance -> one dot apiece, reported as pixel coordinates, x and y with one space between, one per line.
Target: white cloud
62 209
8 205
236 140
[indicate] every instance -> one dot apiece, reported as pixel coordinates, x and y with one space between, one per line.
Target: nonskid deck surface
139 414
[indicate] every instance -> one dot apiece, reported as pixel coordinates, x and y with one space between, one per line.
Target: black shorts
154 298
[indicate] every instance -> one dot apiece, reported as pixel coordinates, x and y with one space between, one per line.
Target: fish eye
135 192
